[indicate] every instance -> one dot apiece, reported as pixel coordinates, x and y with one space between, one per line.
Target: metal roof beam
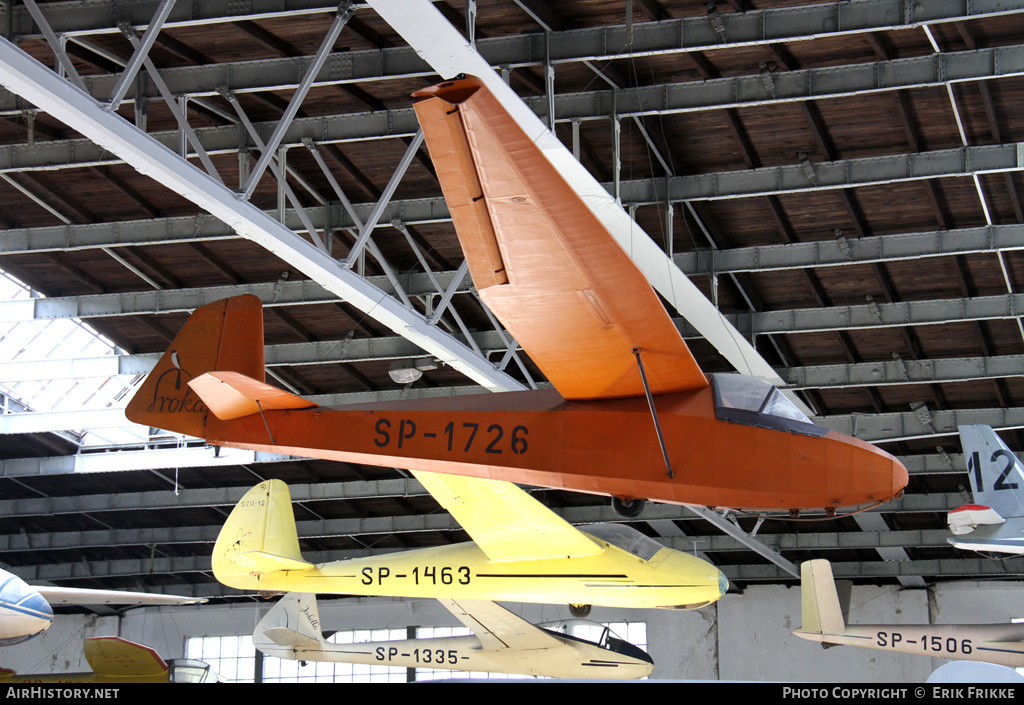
73 153
754 27
800 85
762 258
627 103
221 497
872 315
765 181
864 250
203 228
905 426
899 371
45 89
150 458
329 352
273 294
104 16
815 83
326 352
840 174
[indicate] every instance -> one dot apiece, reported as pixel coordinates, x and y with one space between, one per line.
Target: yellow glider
522 552
502 642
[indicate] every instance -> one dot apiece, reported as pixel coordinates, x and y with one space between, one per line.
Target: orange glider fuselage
209 384
599 447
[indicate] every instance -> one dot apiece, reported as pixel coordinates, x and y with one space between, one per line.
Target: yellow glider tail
214 364
820 603
259 537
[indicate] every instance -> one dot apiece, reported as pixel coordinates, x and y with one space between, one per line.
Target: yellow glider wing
504 521
497 628
541 260
114 657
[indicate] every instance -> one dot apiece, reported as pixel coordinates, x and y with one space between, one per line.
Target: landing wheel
628 508
579 611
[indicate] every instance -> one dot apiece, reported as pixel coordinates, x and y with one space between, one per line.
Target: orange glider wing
542 261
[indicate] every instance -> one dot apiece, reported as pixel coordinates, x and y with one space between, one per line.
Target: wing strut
260 406
654 412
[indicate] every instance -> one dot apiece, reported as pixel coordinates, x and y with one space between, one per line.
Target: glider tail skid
258 538
214 364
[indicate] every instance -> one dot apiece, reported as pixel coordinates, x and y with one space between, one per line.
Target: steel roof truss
276 170
23 75
345 12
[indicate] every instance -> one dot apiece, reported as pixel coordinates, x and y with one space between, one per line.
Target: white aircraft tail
965 519
291 628
820 604
996 473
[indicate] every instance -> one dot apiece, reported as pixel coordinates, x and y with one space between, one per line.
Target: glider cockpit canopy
608 640
754 402
627 538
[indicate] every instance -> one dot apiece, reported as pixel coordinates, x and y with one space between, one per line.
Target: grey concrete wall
742 637
58 649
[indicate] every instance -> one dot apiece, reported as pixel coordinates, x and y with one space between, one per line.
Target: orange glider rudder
225 335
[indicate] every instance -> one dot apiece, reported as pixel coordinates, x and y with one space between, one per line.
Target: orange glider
631 416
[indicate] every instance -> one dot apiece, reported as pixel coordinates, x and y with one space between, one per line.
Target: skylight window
37 358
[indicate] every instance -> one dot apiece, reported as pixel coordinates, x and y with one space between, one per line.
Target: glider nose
33 616
894 471
861 473
23 612
688 582
900 477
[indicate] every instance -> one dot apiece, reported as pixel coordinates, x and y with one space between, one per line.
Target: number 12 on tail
974 466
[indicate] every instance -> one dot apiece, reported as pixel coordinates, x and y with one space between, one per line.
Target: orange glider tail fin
226 335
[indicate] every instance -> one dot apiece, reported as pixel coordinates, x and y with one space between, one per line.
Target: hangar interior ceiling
840 179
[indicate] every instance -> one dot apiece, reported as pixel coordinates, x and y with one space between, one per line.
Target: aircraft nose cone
862 473
900 477
34 615
23 612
